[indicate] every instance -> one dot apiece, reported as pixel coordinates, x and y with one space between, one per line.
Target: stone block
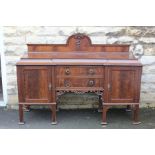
11 90
149 49
56 39
147 40
13 99
12 60
99 40
126 39
147 78
135 31
14 40
149 69
48 31
67 31
121 40
12 106
27 30
112 40
148 31
15 50
101 30
148 88
56 31
147 97
34 39
11 70
9 31
12 77
147 60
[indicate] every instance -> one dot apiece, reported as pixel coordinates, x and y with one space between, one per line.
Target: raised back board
78 46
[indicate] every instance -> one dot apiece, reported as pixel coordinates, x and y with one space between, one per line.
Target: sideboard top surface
78 62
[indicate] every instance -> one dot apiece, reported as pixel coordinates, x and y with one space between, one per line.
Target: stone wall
142 40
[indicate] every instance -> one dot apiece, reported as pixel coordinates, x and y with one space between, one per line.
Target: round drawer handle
91 71
91 83
67 71
66 83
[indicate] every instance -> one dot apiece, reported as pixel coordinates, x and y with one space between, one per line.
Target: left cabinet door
34 82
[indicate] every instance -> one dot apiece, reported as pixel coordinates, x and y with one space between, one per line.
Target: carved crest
79 37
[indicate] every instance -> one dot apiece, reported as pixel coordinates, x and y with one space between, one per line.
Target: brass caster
136 123
21 123
54 123
104 123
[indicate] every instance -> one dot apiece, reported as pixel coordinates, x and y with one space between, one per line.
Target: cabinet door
122 84
37 84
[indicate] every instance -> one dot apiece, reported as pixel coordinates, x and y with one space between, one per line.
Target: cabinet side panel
20 84
106 83
53 76
138 83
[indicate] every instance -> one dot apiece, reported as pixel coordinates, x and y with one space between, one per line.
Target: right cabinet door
122 84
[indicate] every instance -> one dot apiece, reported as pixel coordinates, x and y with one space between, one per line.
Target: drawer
79 71
79 82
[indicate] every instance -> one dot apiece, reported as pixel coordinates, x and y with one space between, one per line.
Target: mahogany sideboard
48 71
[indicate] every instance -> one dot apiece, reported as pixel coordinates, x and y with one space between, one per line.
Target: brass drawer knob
91 83
67 71
91 71
66 83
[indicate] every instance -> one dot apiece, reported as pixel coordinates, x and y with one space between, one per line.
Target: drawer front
79 71
79 82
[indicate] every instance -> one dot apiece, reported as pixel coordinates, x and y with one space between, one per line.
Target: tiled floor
77 119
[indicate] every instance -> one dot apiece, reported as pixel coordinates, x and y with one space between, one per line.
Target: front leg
104 114
53 108
136 114
21 114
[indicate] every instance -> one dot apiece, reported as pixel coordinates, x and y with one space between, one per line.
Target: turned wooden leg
128 108
53 108
21 115
104 114
136 114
